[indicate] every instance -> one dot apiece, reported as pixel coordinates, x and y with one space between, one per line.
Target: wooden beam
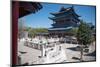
15 15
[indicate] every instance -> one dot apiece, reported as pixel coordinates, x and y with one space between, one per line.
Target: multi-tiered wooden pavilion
63 21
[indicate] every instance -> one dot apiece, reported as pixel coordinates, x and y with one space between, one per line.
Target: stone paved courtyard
31 56
72 53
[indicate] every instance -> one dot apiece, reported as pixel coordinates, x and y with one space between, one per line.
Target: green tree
73 31
33 31
84 36
21 27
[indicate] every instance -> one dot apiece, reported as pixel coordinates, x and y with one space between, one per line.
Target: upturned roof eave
57 13
31 8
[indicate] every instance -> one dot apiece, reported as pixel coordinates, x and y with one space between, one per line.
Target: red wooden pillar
15 15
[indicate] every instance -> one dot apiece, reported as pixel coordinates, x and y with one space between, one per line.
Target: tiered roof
67 11
62 19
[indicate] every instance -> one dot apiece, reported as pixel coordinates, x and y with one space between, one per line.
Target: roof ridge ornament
62 9
72 6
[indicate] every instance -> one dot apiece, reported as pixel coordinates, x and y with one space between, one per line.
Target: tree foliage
33 31
73 31
84 34
21 27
